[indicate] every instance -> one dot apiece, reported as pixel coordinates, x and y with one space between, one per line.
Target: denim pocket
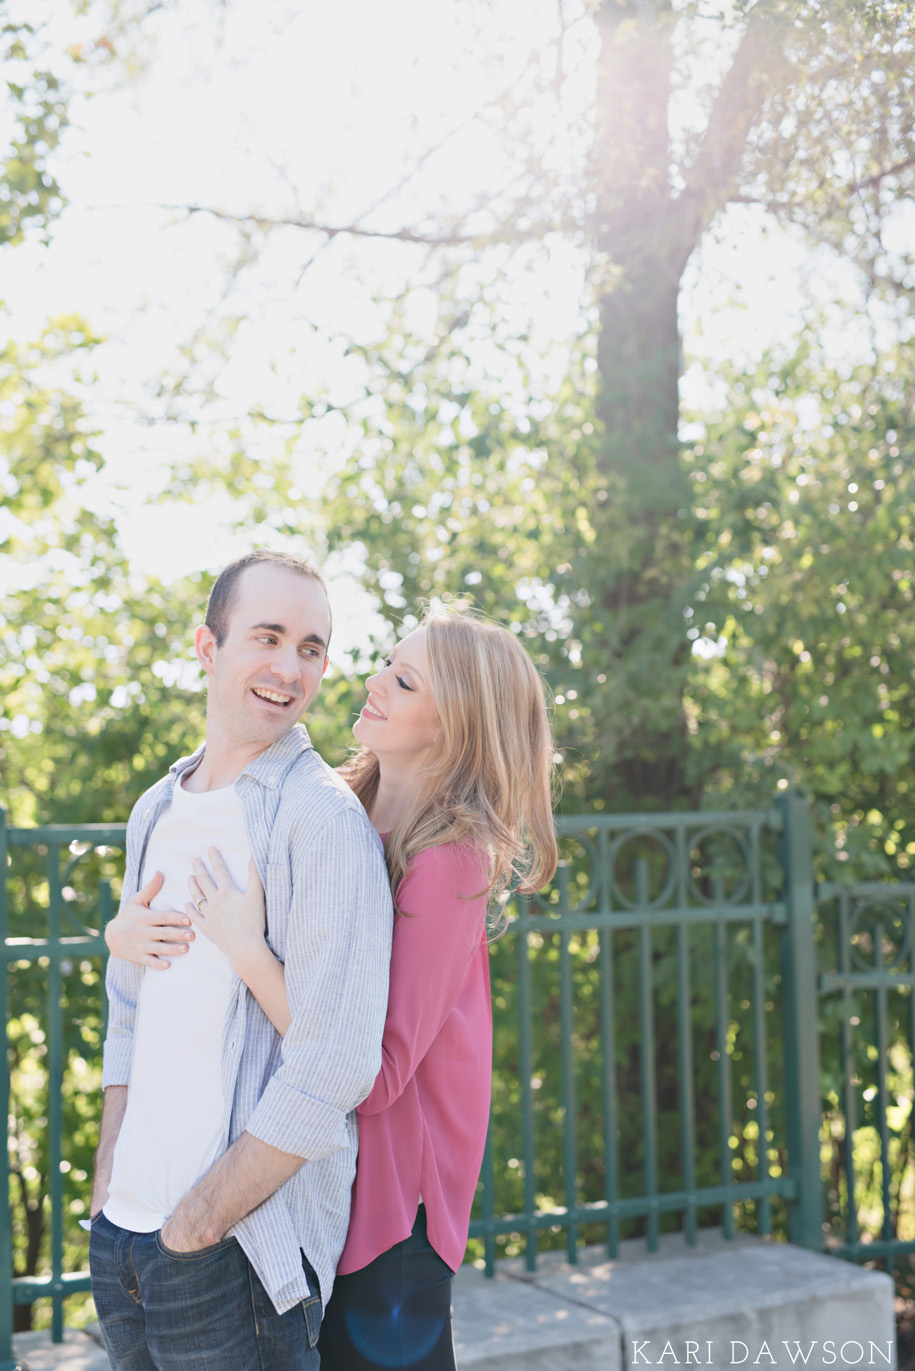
312 1308
313 1312
198 1253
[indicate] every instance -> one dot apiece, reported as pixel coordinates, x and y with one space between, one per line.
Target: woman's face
399 720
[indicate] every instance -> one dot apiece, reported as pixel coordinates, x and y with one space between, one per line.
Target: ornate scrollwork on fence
880 933
85 886
613 865
61 888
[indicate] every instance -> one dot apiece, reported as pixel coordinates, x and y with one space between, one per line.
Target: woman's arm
148 937
235 920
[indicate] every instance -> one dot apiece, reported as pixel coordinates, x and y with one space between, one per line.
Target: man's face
269 667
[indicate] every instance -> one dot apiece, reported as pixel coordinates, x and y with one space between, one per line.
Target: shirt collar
268 768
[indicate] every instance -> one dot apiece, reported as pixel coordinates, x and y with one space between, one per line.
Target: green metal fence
674 959
656 1045
55 898
867 942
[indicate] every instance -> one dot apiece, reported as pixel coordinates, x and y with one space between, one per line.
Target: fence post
7 1361
800 1027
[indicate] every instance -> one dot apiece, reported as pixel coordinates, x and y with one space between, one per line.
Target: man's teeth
271 695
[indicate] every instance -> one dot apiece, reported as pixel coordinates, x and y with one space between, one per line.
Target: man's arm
123 979
122 983
242 1179
112 1117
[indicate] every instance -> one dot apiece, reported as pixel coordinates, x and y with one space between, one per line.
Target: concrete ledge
747 1303
79 1351
505 1323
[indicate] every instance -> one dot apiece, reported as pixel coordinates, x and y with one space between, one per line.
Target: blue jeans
193 1311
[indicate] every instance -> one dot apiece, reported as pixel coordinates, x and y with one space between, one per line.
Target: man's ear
205 647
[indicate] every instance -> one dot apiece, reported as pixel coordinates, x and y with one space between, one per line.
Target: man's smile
272 696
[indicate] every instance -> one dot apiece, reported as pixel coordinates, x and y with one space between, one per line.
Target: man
226 1154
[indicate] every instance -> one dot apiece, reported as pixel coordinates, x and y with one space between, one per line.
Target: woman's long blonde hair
489 783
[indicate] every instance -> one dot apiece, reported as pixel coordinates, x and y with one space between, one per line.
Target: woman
454 771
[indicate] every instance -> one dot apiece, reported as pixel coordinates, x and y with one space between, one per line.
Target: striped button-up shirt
329 919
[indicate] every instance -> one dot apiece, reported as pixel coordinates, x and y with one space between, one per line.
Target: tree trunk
643 506
33 1215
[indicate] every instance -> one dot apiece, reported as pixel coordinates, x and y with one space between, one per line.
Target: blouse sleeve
435 939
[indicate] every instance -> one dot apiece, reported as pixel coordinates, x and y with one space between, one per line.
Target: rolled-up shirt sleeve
122 985
337 955
123 979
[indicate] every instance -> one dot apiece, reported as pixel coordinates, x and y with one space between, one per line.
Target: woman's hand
148 937
233 919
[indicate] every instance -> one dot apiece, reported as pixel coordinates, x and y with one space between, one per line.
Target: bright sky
300 107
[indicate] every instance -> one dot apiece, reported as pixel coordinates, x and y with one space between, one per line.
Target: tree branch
404 235
758 65
776 207
879 176
791 211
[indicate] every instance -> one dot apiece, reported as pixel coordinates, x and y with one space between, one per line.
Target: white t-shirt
173 1129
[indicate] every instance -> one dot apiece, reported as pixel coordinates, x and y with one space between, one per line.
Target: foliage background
708 556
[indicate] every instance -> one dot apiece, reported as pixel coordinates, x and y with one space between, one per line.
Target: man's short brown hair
222 596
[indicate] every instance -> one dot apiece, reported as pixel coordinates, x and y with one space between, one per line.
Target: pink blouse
422 1128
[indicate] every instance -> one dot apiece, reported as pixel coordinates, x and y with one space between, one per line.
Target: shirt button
271 780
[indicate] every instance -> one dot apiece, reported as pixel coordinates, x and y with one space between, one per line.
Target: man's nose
285 663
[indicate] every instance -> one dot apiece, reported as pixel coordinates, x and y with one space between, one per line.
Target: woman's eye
402 683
